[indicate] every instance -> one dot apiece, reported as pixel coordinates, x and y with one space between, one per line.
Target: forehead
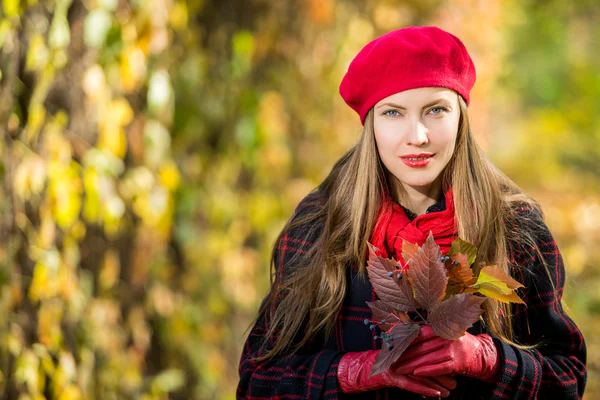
419 96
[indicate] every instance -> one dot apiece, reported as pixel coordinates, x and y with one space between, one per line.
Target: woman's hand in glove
475 356
355 367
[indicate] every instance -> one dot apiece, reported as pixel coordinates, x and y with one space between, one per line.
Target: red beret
407 58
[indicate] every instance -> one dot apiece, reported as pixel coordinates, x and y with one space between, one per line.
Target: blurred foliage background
151 151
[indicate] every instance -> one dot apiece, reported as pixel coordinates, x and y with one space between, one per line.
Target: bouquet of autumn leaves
444 292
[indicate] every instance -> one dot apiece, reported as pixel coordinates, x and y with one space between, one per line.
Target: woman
415 169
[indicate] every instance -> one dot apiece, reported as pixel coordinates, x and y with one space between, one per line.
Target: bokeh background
152 150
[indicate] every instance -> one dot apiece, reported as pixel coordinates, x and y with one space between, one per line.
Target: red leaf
427 275
386 287
454 316
402 336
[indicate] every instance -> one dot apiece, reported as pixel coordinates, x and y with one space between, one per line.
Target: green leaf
464 247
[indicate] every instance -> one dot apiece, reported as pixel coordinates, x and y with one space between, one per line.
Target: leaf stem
419 314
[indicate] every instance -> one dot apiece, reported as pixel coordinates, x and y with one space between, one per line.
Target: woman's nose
417 134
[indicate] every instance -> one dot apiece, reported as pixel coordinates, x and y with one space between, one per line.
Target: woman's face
418 123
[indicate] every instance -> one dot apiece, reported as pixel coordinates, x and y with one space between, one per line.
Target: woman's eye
388 113
437 110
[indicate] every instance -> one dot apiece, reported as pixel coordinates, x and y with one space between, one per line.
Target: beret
407 58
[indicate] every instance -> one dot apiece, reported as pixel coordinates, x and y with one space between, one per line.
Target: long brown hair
306 299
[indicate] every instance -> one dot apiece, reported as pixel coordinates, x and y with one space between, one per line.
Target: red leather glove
469 355
355 367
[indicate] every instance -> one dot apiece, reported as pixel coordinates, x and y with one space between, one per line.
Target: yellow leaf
493 282
493 274
497 287
512 297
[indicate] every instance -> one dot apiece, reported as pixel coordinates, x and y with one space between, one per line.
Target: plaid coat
554 370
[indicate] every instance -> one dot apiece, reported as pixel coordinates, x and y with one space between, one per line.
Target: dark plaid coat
554 370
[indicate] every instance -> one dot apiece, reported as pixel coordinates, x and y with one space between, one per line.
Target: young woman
415 169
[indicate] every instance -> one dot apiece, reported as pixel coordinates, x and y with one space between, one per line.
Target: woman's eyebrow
425 106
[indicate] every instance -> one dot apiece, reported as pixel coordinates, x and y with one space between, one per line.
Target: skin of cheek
441 133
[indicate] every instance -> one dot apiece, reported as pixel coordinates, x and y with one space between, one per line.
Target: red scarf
393 225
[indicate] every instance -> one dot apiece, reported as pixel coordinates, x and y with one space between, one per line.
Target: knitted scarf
393 225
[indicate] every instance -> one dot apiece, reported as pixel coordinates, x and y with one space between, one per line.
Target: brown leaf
402 336
427 275
409 250
461 274
405 295
383 311
455 315
386 287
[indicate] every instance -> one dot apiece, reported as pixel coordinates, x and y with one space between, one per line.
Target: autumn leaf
409 250
460 276
455 315
427 275
442 286
388 263
382 311
464 247
462 273
495 283
402 336
493 274
492 293
396 292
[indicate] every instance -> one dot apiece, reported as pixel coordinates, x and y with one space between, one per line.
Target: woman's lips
417 162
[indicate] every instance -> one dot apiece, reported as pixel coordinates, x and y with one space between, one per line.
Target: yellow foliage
169 176
118 114
94 84
133 68
64 193
71 392
37 54
178 15
44 283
